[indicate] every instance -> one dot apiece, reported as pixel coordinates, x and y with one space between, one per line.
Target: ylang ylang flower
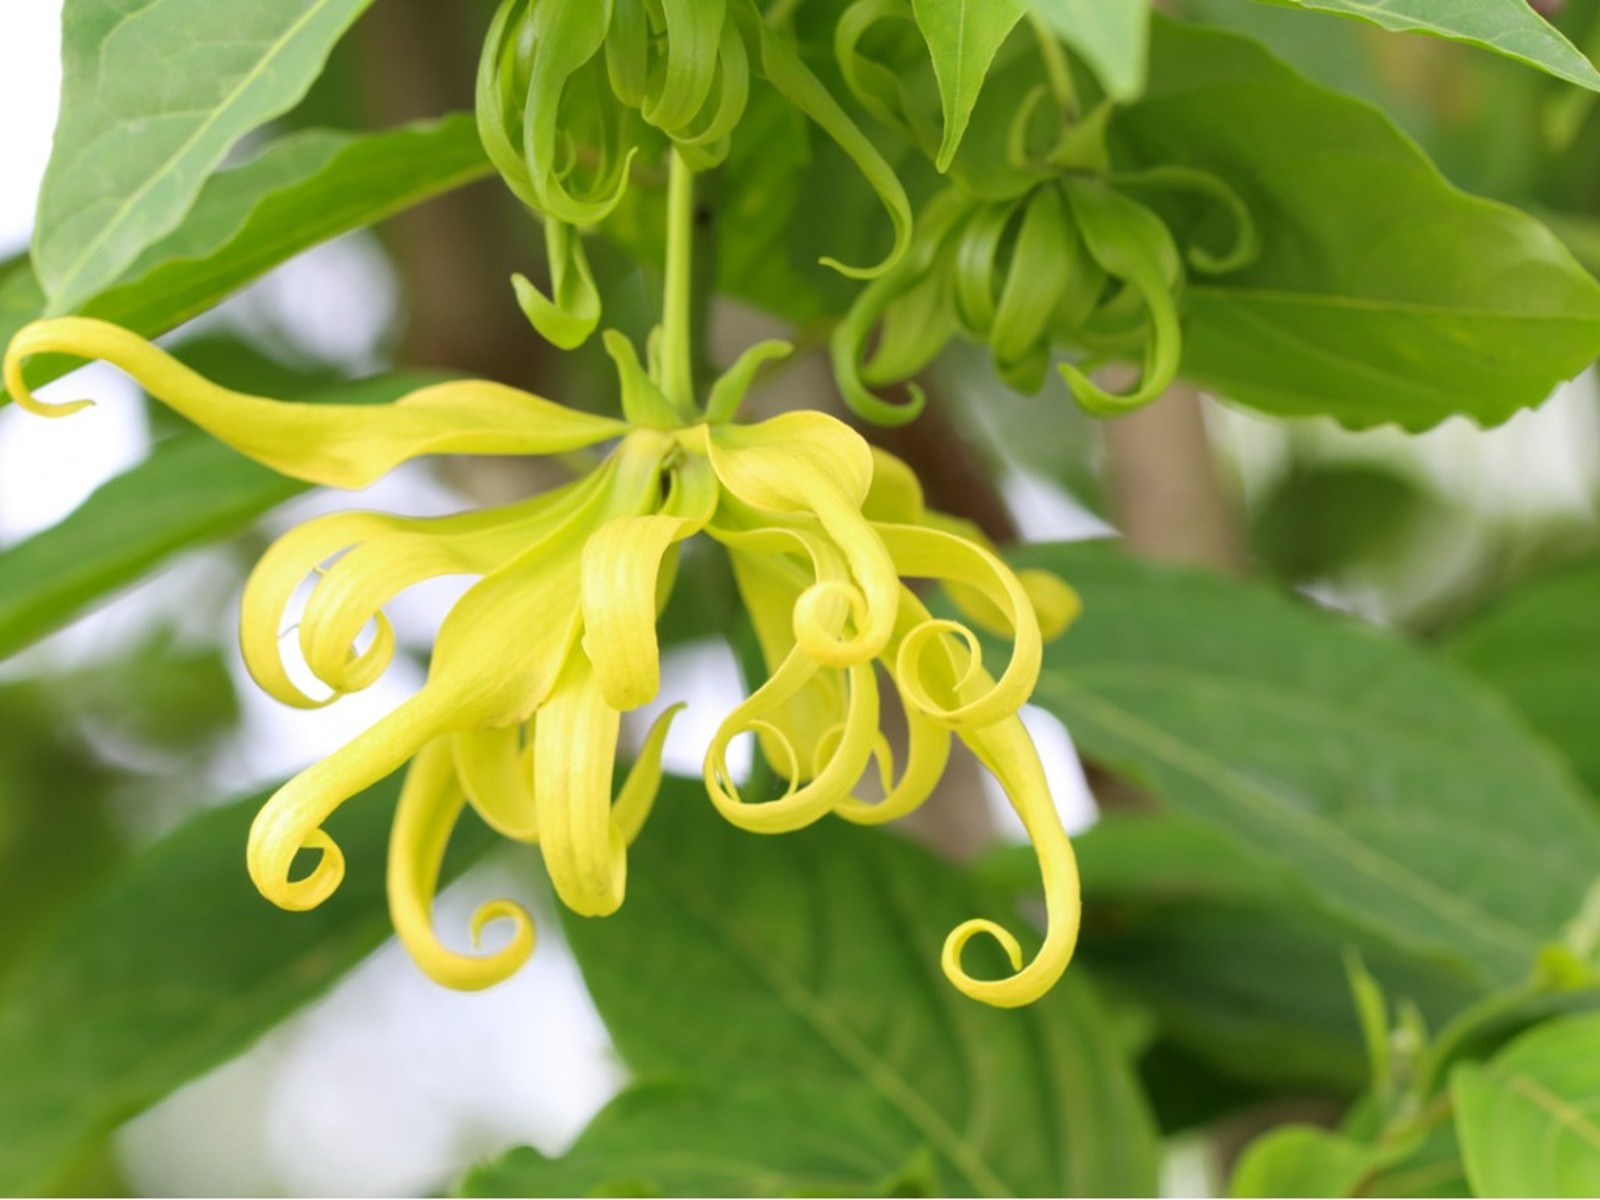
535 665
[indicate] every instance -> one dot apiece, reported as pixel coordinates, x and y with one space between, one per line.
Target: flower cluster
534 666
1040 241
571 92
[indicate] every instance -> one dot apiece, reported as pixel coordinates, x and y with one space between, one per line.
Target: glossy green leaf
730 1138
1404 796
1508 27
1540 646
171 968
300 191
963 37
191 490
1238 968
1529 1119
153 96
1381 294
1112 36
810 961
1303 1160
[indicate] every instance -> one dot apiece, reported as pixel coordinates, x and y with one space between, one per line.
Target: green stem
1055 65
677 344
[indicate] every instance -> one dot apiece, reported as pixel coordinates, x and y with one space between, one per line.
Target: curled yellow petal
622 573
271 588
928 745
895 496
574 755
639 790
811 465
497 776
1056 604
340 445
1006 749
291 821
830 782
935 554
430 805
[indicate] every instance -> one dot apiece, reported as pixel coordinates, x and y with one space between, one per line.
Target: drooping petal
567 316
1055 603
385 555
574 756
353 590
1134 245
639 790
770 572
1006 750
495 771
497 658
830 781
430 804
928 745
272 585
787 72
340 445
932 553
809 464
621 576
292 820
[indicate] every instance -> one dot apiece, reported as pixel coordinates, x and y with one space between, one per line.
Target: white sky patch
705 675
30 87
49 466
1046 512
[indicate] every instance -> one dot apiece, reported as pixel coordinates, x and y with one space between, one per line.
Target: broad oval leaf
1529 1119
963 37
727 1138
170 969
1400 793
154 94
296 193
1508 27
1112 36
811 962
1382 293
1540 646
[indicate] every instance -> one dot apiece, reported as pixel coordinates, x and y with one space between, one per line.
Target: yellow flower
534 666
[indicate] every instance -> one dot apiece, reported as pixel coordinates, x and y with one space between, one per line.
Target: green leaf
154 94
1302 1160
1529 1120
963 37
1382 294
1398 791
189 491
1242 973
300 191
810 962
170 969
1540 646
1508 27
1112 36
729 1138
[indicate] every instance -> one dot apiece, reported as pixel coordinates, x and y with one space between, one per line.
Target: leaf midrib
895 1090
275 48
1478 926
